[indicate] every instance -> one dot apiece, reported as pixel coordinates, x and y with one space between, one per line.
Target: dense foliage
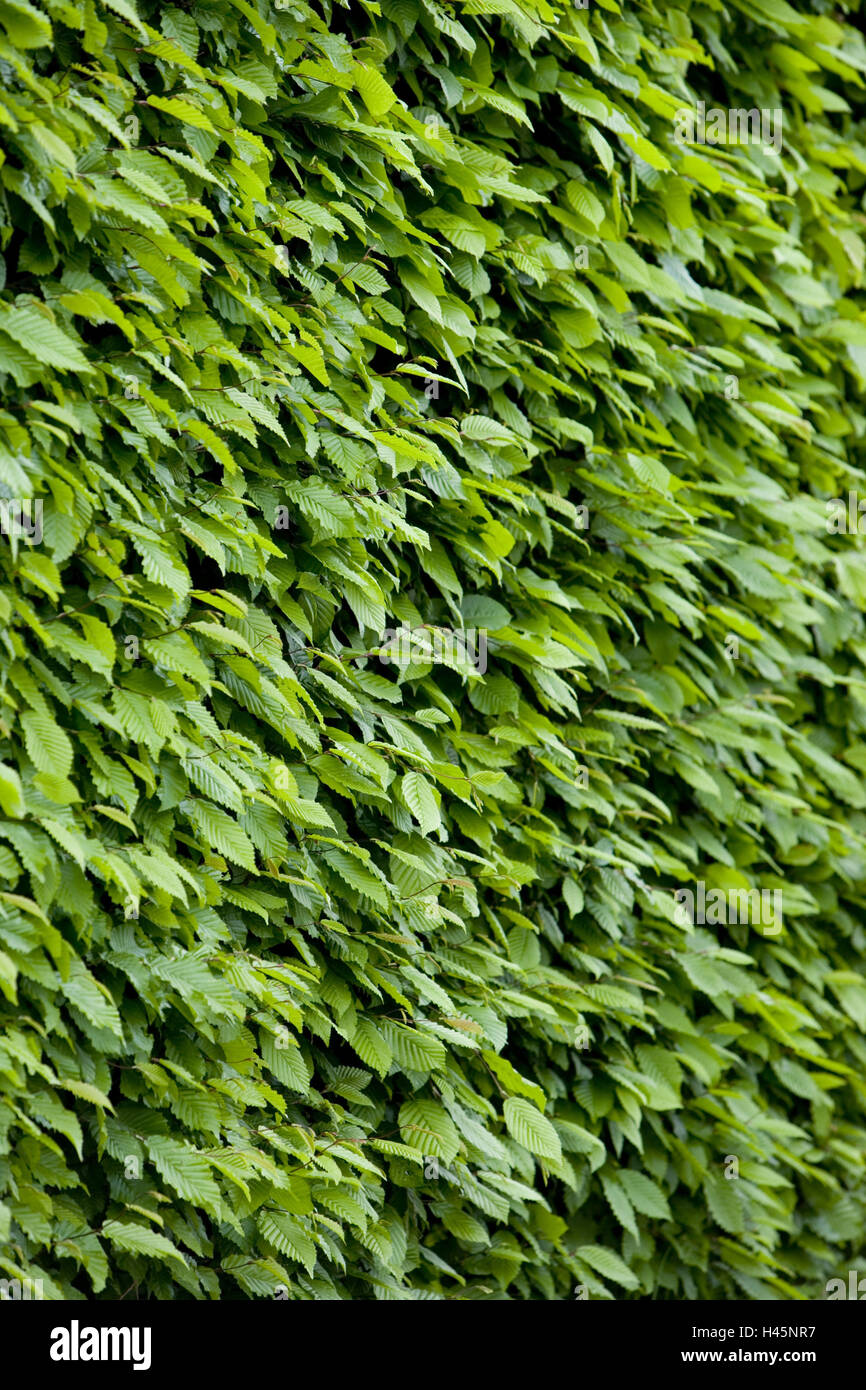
327 976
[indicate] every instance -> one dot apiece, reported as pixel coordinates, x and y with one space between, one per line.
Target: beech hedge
433 630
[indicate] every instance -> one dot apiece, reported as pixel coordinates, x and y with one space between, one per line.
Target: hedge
418 584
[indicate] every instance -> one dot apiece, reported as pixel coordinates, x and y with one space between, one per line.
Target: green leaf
222 833
419 797
11 797
724 1204
377 95
288 1237
183 1168
39 334
136 1239
529 1127
426 1125
512 1080
644 1194
608 1264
